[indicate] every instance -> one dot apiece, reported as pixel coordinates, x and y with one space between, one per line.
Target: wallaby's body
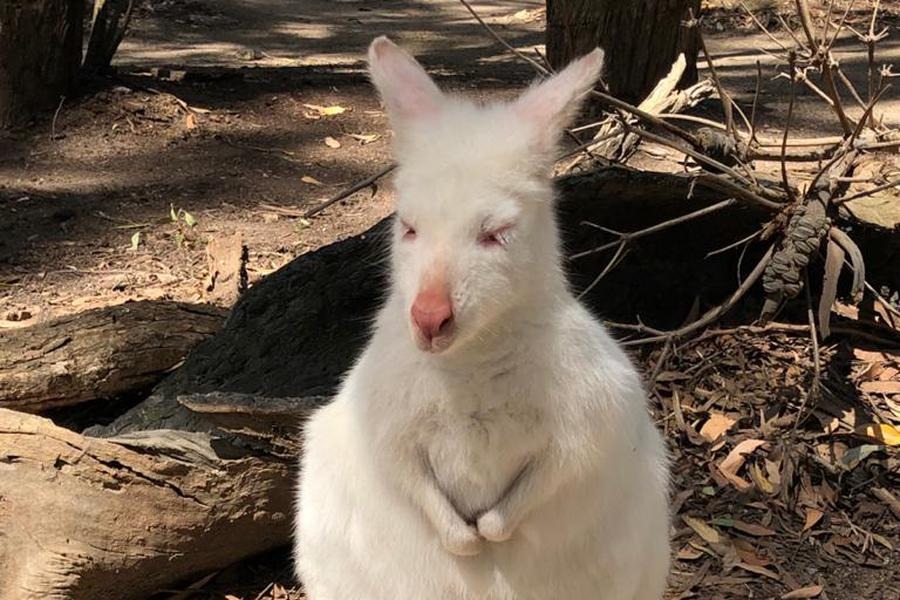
493 441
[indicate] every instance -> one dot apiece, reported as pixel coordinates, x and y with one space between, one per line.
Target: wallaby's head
474 234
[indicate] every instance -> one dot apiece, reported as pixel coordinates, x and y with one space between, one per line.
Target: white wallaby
493 441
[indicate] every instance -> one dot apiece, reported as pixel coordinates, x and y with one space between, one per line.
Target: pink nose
432 313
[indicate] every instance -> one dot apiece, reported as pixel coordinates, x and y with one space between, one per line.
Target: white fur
515 460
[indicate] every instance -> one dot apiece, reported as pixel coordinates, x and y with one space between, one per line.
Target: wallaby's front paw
494 527
462 540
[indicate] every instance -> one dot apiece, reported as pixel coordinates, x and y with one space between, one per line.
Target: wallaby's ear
551 104
406 89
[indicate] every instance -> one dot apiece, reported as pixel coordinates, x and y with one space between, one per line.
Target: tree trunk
108 26
100 353
40 51
642 39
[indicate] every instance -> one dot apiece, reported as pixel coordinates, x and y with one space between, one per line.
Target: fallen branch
358 186
101 353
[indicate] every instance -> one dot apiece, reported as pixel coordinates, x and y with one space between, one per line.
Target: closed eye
498 236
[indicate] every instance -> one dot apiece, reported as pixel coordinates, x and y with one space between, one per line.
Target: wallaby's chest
477 449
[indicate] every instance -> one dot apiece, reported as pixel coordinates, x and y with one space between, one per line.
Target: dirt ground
230 116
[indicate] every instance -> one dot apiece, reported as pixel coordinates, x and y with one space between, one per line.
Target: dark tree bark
40 52
108 26
642 38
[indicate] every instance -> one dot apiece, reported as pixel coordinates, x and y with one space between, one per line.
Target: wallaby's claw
462 540
493 527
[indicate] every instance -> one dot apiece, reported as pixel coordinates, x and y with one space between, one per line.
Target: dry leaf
880 387
732 463
706 532
689 553
326 111
813 516
759 478
812 591
834 260
869 355
365 138
852 457
888 498
310 180
883 541
759 570
332 143
889 373
745 552
190 121
752 528
881 432
716 426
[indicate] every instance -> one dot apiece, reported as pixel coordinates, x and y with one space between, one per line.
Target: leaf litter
793 502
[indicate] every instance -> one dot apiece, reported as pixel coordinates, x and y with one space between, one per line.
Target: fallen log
125 517
199 475
99 353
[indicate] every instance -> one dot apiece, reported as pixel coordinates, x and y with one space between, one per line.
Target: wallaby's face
473 232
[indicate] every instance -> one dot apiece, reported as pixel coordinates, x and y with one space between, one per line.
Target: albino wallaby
493 441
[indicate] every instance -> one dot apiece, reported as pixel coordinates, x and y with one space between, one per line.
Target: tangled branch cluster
724 158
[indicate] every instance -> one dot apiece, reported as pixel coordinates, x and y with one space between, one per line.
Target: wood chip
812 591
227 269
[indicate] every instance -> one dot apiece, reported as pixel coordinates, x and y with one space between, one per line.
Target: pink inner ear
407 90
551 103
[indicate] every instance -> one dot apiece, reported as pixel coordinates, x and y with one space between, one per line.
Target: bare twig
724 96
612 264
800 46
660 363
740 242
815 389
647 117
869 192
537 66
761 26
279 152
62 100
806 22
787 128
361 185
753 112
848 329
827 21
824 58
628 237
850 88
726 186
710 316
840 26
